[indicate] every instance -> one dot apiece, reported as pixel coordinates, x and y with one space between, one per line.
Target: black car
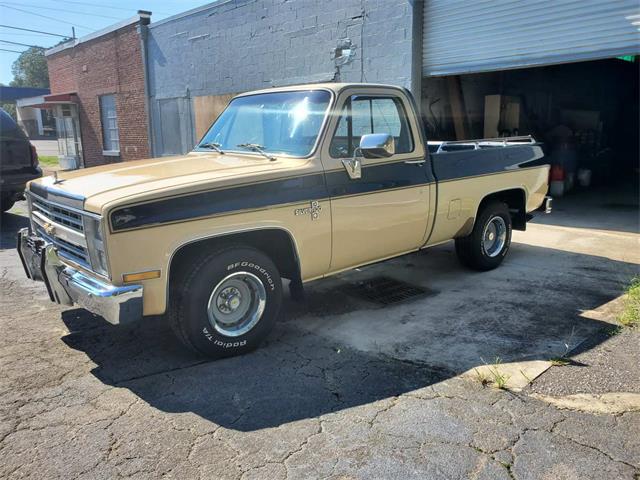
18 162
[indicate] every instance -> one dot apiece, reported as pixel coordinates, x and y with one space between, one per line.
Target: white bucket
584 177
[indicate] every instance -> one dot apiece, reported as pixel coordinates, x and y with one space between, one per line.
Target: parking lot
347 387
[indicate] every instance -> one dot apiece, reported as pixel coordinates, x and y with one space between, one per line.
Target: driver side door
384 212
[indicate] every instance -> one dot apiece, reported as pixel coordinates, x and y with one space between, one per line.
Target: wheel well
276 243
516 200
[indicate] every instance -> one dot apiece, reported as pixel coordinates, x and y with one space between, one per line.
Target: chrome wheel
236 304
494 236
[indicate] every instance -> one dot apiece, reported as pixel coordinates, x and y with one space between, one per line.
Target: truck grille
72 251
76 250
58 214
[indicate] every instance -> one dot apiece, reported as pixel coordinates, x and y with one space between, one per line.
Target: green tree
30 69
9 107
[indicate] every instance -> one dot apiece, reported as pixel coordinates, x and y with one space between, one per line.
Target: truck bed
469 158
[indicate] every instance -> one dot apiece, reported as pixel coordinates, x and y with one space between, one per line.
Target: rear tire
487 245
226 303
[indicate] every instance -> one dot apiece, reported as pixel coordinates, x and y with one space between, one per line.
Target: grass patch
48 160
559 361
499 379
492 375
630 316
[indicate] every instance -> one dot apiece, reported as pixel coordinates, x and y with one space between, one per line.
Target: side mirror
377 145
373 145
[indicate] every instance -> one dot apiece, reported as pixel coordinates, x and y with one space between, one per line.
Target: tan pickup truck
297 183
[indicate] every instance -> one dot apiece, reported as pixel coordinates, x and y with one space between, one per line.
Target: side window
109 117
362 115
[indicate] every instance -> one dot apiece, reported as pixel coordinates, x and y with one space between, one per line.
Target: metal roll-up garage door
461 36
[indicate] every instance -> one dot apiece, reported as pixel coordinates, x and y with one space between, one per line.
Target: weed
615 330
568 345
484 381
529 380
499 379
559 361
630 316
563 359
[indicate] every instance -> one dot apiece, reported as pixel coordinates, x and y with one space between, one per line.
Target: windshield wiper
212 146
254 147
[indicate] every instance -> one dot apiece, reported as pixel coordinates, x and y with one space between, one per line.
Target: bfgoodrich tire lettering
207 291
475 250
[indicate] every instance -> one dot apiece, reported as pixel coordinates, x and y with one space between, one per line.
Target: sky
59 16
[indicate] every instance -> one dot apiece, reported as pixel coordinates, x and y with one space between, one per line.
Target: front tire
226 303
487 245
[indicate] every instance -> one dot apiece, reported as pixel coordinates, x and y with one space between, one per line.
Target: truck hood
100 185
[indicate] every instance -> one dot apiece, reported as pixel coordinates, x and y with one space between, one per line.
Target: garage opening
585 114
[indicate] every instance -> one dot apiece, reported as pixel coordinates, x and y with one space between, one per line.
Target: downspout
417 33
143 29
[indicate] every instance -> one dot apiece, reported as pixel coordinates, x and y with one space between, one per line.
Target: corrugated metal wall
465 37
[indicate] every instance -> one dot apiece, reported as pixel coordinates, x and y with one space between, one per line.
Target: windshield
279 123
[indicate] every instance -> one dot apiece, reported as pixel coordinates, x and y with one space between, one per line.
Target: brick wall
109 64
243 45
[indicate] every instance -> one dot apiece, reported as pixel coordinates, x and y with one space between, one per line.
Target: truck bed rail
477 144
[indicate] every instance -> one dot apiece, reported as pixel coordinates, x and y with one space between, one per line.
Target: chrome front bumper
69 286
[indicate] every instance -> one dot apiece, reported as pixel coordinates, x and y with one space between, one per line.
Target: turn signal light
136 277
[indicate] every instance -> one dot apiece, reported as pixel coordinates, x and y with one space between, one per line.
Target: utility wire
34 31
22 34
21 44
44 16
75 12
14 51
105 6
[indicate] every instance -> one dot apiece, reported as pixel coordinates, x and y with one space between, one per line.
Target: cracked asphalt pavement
380 398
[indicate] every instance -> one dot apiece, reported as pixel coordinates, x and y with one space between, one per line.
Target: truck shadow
332 352
10 223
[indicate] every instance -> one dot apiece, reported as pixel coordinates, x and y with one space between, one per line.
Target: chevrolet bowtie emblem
313 209
49 229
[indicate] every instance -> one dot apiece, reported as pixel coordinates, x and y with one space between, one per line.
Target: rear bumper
547 205
69 286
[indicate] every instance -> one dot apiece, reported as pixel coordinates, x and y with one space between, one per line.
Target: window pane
371 115
282 122
361 114
342 130
70 147
339 143
386 118
109 119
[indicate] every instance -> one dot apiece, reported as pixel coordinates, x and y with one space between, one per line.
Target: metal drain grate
385 290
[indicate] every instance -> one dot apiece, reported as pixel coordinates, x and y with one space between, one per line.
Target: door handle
414 162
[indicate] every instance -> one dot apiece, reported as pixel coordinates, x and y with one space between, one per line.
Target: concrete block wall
240 45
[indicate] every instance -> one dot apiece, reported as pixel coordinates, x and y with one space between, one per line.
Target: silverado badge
313 209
